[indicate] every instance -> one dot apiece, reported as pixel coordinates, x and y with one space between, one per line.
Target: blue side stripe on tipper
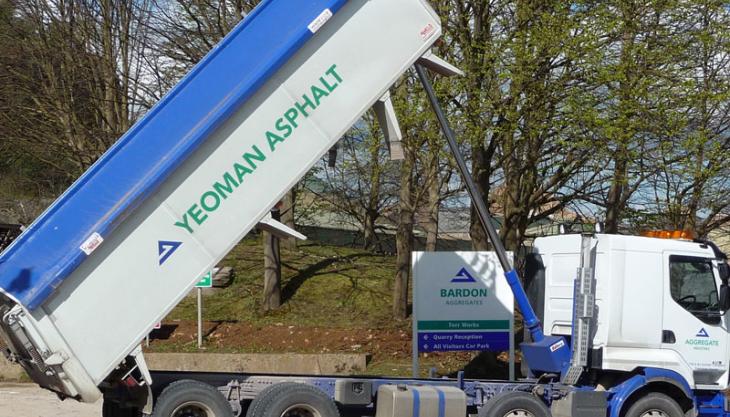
442 402
416 403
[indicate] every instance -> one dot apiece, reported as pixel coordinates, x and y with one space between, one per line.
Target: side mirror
724 270
724 297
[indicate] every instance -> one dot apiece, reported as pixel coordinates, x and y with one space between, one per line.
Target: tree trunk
512 234
404 239
481 168
613 211
619 191
272 273
615 202
370 237
513 214
287 218
434 199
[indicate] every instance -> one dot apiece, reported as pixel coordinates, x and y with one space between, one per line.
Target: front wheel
514 404
189 398
655 405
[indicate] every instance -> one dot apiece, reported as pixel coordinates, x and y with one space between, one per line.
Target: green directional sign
206 281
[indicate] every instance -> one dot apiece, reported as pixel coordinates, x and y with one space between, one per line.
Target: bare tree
362 185
185 30
417 169
80 78
404 236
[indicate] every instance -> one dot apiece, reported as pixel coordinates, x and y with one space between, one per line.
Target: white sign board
461 301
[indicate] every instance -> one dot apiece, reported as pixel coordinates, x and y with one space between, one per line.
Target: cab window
692 286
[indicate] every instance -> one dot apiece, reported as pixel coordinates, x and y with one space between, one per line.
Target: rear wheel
189 398
655 405
514 404
290 399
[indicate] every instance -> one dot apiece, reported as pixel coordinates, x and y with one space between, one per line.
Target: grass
321 286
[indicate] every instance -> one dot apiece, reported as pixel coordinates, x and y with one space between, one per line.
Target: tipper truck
634 326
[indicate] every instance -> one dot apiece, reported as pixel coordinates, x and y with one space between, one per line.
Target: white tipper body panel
107 306
633 304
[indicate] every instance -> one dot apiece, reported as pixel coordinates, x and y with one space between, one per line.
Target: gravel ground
27 400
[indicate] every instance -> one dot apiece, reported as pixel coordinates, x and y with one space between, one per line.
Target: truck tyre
514 404
291 399
655 405
188 398
262 398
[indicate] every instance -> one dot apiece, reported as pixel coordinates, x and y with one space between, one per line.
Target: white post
512 349
200 318
414 318
415 352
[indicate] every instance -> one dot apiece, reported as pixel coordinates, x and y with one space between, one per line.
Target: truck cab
657 303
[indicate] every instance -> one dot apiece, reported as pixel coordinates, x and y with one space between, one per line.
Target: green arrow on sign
206 281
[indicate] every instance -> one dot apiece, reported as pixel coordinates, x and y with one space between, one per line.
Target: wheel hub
301 410
193 409
654 413
520 413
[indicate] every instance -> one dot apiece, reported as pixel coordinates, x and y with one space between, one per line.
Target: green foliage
616 108
664 90
522 104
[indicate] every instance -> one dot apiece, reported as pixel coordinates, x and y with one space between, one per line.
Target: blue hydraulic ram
545 354
39 260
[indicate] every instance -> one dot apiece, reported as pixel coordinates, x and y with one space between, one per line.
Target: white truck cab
657 302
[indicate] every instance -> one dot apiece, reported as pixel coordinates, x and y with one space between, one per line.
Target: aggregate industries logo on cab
702 341
471 295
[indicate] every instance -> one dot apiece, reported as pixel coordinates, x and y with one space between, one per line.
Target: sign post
205 282
461 302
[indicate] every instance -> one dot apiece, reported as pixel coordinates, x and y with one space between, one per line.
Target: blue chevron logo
463 276
166 249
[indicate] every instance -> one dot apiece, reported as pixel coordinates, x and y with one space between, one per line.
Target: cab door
694 325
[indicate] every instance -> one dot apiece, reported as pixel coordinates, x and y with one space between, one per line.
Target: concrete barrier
288 363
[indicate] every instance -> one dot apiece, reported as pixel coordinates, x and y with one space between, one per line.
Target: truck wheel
291 399
655 405
189 398
514 404
261 399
